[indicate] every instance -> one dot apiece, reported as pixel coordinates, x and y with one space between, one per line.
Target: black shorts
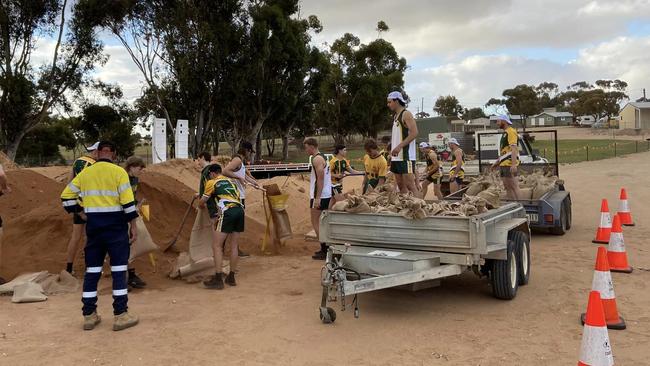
402 167
436 180
458 180
324 203
231 221
505 172
77 220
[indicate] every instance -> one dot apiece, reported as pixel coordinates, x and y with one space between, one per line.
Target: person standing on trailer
236 171
457 171
110 212
434 170
79 224
320 190
404 133
508 162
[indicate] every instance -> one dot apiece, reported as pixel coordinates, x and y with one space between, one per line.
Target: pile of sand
29 191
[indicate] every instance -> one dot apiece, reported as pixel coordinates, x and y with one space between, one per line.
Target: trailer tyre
522 244
505 278
569 216
327 315
564 221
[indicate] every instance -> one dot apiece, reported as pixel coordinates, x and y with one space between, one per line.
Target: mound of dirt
30 190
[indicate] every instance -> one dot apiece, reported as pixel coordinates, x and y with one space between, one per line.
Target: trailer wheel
522 245
564 221
505 278
569 214
327 315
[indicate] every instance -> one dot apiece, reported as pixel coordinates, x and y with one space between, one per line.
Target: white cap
503 117
424 144
93 147
453 141
397 95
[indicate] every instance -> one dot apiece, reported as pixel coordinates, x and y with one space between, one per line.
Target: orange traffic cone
616 255
624 210
603 284
595 348
605 227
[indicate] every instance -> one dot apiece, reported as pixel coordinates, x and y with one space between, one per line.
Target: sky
474 49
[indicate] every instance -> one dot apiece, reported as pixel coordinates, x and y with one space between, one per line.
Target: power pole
422 105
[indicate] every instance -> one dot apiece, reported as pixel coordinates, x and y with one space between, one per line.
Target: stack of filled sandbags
386 201
531 186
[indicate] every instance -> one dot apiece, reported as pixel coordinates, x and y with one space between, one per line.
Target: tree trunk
285 146
270 147
258 146
12 146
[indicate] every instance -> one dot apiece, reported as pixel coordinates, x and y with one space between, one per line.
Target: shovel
172 243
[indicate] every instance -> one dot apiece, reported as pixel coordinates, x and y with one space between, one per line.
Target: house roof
556 114
640 105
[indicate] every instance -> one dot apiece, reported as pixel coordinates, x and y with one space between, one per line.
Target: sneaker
135 281
230 279
242 254
214 282
319 255
124 320
90 321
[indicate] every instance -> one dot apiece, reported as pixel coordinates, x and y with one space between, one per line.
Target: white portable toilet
182 139
159 140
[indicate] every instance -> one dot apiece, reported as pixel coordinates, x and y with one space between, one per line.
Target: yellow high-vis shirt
509 139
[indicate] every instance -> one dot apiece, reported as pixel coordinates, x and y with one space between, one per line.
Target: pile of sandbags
535 185
386 201
531 186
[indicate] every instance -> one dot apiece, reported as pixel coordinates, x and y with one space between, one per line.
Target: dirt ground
271 317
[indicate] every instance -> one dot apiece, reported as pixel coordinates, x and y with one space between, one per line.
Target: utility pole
422 105
644 98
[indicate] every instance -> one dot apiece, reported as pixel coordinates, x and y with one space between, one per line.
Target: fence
570 154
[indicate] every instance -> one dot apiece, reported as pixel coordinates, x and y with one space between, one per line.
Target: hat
247 145
93 147
503 117
396 95
453 141
108 144
424 145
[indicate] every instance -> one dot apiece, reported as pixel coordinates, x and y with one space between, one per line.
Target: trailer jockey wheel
327 315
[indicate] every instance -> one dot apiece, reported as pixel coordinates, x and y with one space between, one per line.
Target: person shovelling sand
229 222
109 208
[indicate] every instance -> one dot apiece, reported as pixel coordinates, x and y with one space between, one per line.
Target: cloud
475 79
120 70
448 28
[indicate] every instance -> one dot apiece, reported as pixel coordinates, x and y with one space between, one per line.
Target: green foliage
473 113
41 145
448 106
107 123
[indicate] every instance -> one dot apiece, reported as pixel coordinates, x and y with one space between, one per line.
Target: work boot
124 320
230 279
90 321
135 281
242 254
214 282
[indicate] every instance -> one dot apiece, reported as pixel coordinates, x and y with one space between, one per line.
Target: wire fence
595 151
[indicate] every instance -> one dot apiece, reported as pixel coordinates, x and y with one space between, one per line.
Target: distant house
476 124
515 118
635 115
551 118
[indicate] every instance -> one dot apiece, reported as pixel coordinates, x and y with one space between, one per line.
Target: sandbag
474 188
28 292
491 195
8 288
280 216
526 193
201 236
340 206
144 244
541 189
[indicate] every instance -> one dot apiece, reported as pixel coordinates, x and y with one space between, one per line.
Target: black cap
246 145
103 144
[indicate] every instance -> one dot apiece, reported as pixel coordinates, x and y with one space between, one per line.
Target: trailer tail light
548 218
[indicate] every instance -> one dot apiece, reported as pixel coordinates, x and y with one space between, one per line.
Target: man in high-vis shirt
79 224
508 161
108 208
